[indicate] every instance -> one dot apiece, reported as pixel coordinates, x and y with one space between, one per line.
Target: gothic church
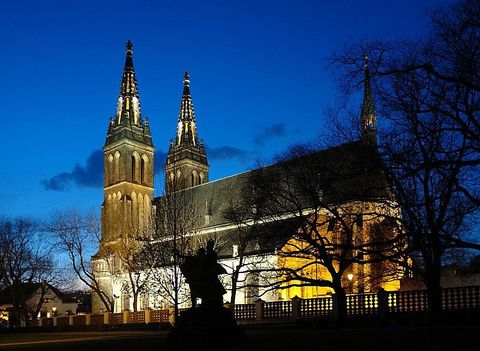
129 183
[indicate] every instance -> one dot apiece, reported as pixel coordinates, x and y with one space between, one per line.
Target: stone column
106 317
148 313
259 306
125 316
171 315
382 297
296 307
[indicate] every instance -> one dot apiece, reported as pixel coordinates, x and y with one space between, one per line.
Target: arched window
116 170
134 166
143 169
109 171
201 177
194 178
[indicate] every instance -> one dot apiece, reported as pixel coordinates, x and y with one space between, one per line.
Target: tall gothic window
134 164
142 171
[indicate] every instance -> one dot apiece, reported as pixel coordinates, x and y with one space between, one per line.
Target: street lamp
350 278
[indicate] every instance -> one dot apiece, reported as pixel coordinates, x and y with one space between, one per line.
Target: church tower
368 114
187 164
128 163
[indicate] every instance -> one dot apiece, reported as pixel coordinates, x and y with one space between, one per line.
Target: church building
129 201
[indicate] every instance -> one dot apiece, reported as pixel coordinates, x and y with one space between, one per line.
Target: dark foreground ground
264 338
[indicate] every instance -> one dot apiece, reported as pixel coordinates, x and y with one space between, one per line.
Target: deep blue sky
258 81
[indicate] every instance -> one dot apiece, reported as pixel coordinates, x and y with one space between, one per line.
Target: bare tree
173 226
428 94
244 213
79 236
25 259
331 200
134 264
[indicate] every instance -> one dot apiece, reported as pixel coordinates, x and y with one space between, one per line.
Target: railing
161 316
117 318
322 306
460 299
97 319
362 304
244 312
407 301
277 310
370 304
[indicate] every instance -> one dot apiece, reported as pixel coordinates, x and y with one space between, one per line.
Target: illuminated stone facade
129 199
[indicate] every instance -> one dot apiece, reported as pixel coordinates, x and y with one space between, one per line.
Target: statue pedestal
211 327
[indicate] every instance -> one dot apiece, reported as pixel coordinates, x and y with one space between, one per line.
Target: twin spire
186 127
368 114
128 121
128 106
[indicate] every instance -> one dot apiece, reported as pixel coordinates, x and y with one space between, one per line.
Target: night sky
258 80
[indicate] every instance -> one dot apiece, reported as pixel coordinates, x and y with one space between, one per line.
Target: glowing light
350 276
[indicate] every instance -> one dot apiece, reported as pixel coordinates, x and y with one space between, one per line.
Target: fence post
148 312
335 315
106 317
70 319
382 297
55 321
171 315
40 322
88 319
259 307
125 316
296 307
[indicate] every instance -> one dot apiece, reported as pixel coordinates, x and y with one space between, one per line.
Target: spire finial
186 79
129 46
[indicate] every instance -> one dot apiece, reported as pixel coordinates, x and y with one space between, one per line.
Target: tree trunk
340 304
434 292
135 301
234 286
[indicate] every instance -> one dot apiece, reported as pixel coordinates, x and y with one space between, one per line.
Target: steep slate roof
350 171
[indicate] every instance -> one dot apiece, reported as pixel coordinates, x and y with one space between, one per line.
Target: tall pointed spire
128 121
368 114
128 108
186 127
186 164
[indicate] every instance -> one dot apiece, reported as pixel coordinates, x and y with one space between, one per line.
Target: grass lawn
42 337
265 338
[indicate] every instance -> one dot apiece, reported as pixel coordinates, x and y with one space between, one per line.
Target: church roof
349 172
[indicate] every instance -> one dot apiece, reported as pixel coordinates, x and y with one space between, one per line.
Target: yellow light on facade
350 276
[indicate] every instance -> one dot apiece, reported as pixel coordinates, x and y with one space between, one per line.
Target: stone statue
211 325
201 272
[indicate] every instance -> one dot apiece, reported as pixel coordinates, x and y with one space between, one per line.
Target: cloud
89 176
276 130
226 153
